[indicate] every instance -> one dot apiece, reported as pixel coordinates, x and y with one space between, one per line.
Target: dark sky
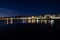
28 7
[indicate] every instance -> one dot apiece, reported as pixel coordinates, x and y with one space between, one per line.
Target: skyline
31 19
28 8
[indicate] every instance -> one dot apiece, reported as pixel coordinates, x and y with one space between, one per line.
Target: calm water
24 29
17 28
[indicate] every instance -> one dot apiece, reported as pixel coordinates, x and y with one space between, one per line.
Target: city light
32 19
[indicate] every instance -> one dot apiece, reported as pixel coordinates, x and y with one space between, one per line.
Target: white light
37 19
52 21
23 20
7 20
11 20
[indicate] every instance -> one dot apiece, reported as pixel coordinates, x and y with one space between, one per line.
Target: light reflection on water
3 22
9 22
19 21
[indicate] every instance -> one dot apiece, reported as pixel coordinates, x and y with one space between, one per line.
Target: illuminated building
40 17
32 19
29 19
45 21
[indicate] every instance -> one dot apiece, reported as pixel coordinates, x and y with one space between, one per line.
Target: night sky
28 7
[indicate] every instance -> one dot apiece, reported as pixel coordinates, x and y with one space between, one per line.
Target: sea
28 30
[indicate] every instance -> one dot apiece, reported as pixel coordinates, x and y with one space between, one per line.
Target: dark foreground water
28 30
